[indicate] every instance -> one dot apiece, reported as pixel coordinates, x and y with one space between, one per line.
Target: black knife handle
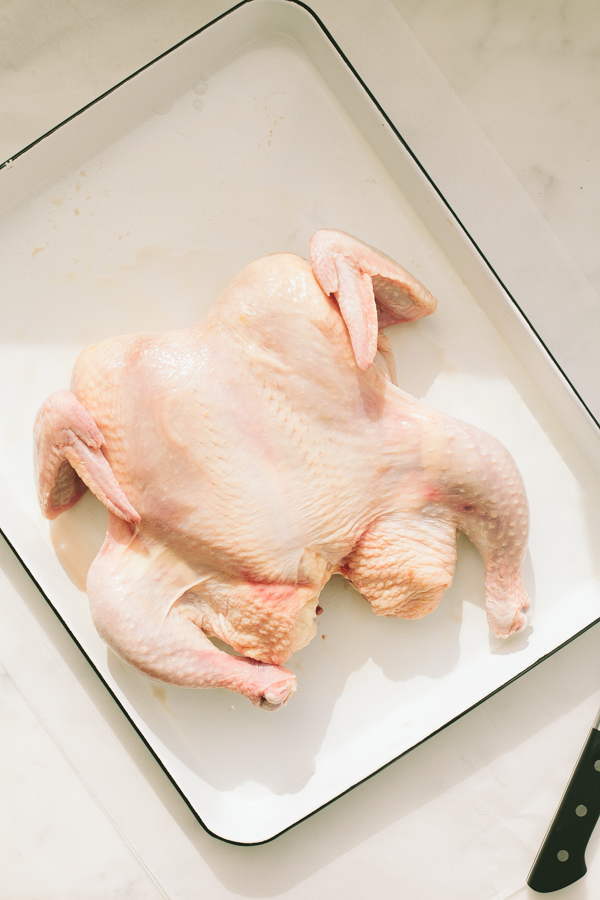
561 858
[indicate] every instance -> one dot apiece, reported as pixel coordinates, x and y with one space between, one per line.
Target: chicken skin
245 460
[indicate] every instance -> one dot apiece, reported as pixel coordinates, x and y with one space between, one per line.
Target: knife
561 858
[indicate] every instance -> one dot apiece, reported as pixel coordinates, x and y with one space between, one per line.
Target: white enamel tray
132 216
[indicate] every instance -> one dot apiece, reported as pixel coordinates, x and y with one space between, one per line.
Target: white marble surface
56 841
87 813
529 73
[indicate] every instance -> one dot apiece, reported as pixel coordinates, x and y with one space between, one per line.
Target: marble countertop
86 812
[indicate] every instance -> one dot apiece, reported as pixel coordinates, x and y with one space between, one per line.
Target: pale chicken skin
245 460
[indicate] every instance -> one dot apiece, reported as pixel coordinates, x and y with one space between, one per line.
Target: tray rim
490 268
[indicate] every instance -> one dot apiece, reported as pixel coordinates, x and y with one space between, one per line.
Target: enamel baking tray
131 216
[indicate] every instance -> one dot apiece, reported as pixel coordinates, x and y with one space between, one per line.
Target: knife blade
561 858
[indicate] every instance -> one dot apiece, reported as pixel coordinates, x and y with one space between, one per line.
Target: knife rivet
597 765
562 855
581 810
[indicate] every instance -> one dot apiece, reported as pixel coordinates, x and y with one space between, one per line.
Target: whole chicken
245 460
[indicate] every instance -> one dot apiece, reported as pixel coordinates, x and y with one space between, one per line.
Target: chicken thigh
245 460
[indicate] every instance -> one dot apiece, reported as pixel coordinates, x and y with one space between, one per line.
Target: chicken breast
245 460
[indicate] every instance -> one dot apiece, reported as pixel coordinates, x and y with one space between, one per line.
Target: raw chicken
245 460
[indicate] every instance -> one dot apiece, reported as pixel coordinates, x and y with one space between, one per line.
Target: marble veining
529 72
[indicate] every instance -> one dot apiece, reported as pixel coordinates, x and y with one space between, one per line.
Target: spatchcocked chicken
245 460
